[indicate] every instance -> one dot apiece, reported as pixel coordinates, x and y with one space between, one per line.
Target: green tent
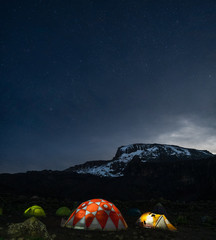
134 212
63 211
159 209
36 211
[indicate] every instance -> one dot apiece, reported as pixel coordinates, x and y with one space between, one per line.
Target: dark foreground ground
194 220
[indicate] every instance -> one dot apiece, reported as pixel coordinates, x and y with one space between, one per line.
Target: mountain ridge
175 179
144 153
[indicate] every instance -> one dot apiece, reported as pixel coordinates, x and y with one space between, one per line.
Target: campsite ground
194 220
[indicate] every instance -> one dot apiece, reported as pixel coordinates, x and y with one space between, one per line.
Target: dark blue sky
80 78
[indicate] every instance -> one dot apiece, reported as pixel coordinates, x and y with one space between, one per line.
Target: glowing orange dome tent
96 214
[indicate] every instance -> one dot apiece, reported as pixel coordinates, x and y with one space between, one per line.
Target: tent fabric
159 209
152 220
63 211
35 210
96 214
134 212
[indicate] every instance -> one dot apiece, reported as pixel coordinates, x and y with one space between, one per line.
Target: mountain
142 153
137 171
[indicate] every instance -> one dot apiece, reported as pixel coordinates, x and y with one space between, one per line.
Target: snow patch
178 151
104 171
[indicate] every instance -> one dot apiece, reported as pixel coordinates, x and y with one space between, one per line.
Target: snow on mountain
142 152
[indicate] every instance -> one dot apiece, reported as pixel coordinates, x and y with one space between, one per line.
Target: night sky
80 78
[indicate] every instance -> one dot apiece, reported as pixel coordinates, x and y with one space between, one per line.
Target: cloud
189 133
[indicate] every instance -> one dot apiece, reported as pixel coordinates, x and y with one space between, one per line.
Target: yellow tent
152 220
36 211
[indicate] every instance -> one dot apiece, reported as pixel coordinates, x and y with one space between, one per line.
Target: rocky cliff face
142 153
159 152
